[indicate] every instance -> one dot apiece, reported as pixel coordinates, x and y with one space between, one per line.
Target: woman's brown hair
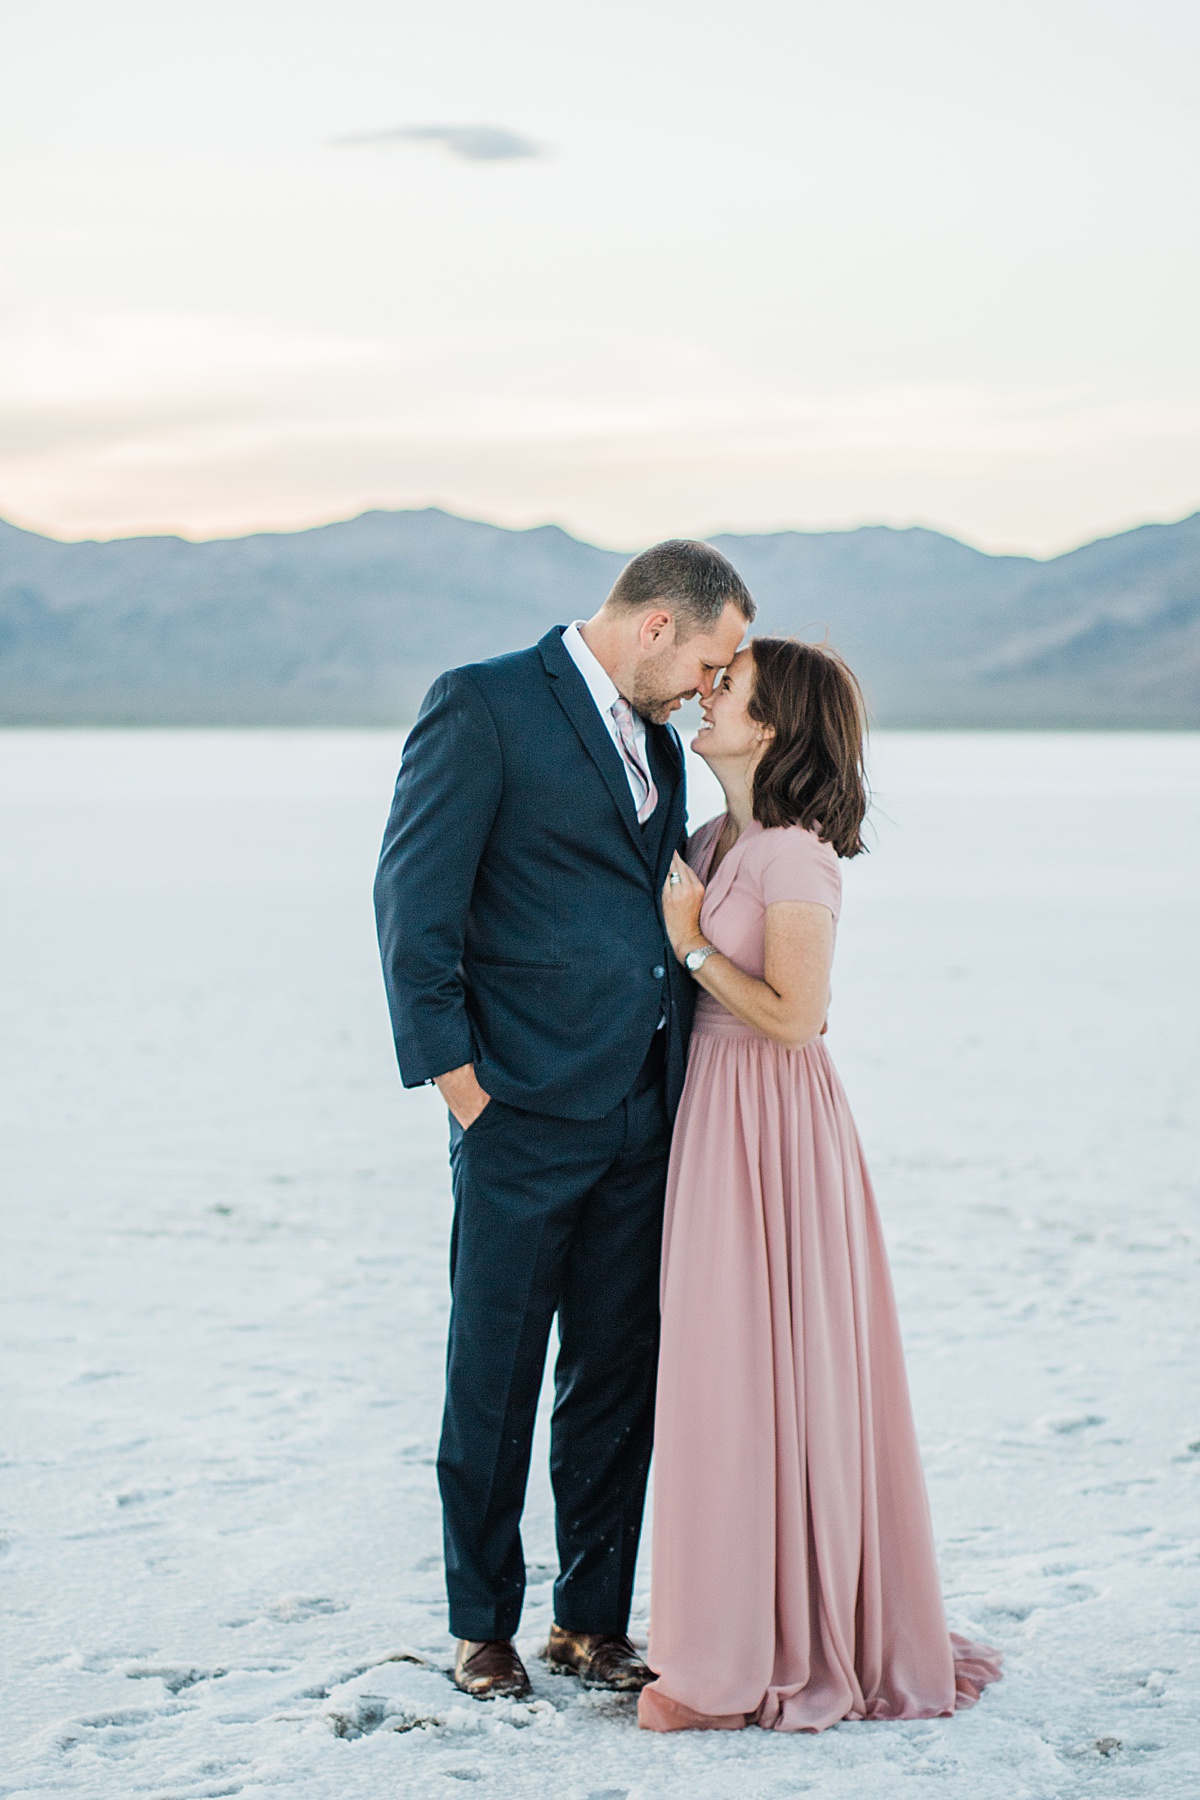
811 772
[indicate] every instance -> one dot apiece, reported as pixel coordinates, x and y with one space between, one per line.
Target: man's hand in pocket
462 1093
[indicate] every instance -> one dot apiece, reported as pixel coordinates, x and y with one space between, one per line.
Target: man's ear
657 629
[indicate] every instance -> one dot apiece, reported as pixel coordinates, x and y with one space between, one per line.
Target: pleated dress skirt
794 1581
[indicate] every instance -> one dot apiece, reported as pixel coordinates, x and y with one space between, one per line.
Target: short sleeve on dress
797 865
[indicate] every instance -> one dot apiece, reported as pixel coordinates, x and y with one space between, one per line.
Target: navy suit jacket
519 900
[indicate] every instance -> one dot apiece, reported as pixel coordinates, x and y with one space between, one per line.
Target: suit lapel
571 692
666 765
666 757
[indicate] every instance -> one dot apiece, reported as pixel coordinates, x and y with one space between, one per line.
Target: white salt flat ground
224 1232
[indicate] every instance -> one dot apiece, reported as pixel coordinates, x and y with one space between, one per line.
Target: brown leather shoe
601 1659
490 1671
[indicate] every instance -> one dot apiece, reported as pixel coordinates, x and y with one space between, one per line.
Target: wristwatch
696 959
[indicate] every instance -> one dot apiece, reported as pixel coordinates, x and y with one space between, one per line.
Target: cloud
474 143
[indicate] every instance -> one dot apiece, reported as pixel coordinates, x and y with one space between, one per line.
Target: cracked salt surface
224 1286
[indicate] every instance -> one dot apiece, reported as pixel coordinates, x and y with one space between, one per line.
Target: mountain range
346 624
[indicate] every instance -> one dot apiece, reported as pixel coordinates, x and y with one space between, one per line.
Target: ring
673 879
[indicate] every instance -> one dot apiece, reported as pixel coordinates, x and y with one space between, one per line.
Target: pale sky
758 265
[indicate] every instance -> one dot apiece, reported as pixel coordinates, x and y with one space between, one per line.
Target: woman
794 1581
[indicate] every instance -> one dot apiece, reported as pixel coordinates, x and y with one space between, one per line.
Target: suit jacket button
658 971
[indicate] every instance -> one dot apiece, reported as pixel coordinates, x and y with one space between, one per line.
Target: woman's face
728 733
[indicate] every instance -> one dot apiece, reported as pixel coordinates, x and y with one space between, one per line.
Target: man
529 975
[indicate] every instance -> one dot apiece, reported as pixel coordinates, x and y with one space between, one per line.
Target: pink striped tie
644 786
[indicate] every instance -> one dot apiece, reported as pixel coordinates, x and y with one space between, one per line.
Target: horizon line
326 524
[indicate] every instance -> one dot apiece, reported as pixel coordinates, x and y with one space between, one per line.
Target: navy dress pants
552 1216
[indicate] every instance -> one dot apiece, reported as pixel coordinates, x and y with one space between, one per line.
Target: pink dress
793 1580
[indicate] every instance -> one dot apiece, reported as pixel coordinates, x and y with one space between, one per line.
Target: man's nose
705 684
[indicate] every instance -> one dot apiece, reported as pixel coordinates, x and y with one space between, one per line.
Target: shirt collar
600 684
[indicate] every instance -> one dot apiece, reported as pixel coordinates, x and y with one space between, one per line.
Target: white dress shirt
604 691
602 688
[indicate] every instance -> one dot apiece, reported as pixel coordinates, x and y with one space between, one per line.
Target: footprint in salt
291 1609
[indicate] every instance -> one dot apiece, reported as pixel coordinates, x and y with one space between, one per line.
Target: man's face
671 672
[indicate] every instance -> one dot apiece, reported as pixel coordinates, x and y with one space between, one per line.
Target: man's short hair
693 579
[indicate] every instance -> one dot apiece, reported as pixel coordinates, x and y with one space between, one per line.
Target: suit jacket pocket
516 962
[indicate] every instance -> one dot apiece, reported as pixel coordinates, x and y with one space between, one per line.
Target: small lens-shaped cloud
474 143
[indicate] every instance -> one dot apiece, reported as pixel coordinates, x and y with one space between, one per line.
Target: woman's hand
682 898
